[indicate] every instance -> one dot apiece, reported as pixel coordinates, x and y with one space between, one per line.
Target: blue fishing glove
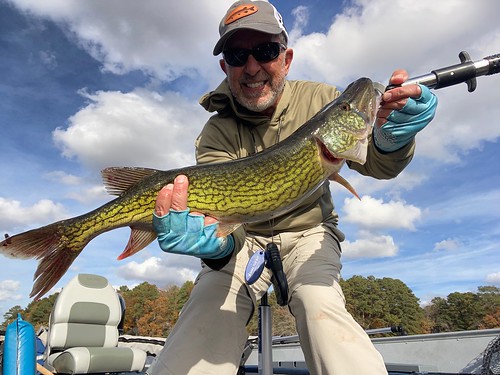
180 232
402 126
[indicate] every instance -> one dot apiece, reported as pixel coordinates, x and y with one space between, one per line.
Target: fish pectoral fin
342 181
138 240
119 179
226 229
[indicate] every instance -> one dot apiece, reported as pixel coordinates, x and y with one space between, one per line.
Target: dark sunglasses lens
266 52
236 56
262 53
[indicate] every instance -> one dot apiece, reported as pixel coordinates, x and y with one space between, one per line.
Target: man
256 108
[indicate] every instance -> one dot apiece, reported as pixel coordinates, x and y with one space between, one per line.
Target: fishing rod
466 71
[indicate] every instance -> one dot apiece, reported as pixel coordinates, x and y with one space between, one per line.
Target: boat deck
432 354
466 352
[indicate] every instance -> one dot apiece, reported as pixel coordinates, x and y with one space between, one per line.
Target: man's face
257 85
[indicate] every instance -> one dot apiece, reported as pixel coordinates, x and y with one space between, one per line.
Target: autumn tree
160 314
466 311
38 312
136 301
489 297
11 315
184 293
374 303
364 300
386 302
283 322
155 318
402 307
437 314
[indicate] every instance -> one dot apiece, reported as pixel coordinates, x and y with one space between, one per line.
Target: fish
255 188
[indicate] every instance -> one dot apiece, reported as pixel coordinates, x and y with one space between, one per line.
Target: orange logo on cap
240 12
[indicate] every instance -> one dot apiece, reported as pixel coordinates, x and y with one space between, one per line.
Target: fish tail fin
49 245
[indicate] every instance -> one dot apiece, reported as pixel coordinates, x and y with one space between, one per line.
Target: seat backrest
86 314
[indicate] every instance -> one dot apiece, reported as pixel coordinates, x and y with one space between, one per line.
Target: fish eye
345 106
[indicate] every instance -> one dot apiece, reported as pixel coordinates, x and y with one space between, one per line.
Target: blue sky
90 84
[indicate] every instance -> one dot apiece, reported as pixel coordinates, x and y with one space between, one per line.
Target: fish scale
256 188
270 186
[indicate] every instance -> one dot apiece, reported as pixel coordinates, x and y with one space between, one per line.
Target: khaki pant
210 335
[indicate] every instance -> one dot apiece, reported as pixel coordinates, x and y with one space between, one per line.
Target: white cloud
371 213
493 278
81 189
301 15
64 178
164 271
447 245
167 39
394 188
14 215
454 132
8 290
89 194
138 128
370 247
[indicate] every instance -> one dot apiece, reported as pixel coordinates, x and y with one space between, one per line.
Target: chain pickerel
250 189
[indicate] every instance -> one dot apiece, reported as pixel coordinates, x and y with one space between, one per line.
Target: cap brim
220 44
257 27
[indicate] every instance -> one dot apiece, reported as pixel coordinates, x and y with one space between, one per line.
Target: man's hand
405 111
174 196
182 232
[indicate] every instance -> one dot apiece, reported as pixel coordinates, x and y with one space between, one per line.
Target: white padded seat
83 330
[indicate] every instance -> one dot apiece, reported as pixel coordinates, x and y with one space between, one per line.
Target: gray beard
261 106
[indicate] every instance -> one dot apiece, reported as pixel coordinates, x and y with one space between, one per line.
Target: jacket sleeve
382 165
216 142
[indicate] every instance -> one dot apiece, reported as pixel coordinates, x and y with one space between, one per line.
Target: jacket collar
223 101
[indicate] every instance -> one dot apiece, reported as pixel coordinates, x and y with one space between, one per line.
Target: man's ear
288 58
222 64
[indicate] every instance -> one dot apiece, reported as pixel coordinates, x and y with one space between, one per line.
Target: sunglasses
263 53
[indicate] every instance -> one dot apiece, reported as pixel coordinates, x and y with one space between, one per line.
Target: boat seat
83 330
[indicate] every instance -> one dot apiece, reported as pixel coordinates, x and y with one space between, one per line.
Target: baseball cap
247 14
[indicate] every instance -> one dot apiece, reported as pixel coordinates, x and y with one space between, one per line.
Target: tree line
373 302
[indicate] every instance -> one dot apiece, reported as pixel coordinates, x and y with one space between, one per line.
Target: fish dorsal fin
119 179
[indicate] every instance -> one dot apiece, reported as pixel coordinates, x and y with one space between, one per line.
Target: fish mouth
367 103
327 154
